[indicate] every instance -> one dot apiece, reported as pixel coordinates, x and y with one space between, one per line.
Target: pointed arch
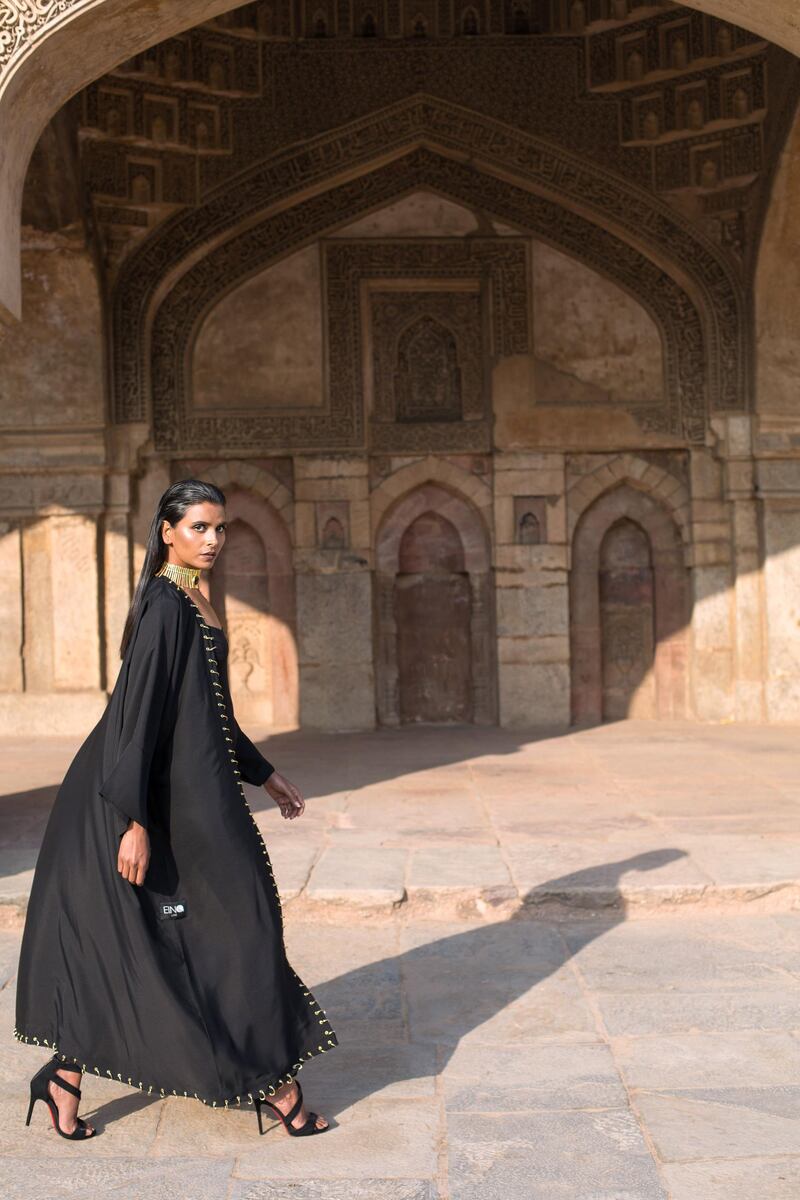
690 290
408 497
463 485
636 472
628 500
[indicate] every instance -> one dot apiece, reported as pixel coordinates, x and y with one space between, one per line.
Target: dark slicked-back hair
171 507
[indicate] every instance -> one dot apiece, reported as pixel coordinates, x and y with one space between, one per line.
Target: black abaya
203 1003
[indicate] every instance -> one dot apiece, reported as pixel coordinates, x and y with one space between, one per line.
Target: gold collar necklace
187 577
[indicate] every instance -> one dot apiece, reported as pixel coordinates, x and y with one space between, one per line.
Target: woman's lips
208 556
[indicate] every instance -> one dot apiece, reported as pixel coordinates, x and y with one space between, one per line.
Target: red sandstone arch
472 539
627 501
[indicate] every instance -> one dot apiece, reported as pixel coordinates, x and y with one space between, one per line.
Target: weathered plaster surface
51 363
262 344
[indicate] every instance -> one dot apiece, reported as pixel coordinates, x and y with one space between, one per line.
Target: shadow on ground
452 985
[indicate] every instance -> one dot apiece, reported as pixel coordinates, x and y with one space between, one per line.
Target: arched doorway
629 610
627 622
435 659
432 616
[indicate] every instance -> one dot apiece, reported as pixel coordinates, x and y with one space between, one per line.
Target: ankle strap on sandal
62 1082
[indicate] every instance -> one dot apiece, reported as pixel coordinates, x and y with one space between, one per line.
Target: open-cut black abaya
180 985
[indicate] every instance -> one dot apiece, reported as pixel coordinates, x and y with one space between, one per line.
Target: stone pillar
116 571
37 602
713 643
532 597
74 607
736 446
334 593
11 664
149 490
50 576
779 486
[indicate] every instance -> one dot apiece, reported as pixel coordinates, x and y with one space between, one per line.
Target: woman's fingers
133 871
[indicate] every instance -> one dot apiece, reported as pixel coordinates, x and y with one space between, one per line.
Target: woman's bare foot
66 1103
286 1096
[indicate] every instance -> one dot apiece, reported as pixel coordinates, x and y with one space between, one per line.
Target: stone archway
629 610
253 591
432 543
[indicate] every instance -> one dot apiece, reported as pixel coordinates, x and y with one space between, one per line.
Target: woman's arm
252 764
146 692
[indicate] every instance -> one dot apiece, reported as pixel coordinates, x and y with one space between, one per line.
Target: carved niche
427 334
427 357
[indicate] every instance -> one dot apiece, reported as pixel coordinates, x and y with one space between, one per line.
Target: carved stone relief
428 346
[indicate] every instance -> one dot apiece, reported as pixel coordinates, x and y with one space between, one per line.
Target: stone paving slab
778 1179
461 820
555 1155
115 1179
394 1139
336 1189
365 876
721 1059
531 1076
725 1123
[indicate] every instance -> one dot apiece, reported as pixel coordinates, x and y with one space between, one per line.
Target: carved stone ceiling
681 104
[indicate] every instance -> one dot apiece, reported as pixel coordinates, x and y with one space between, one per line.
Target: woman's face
198 537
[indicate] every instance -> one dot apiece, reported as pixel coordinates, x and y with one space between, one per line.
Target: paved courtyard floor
559 969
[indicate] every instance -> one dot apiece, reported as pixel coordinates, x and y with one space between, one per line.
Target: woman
153 947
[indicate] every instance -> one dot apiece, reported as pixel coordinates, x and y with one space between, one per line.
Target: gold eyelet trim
149 1088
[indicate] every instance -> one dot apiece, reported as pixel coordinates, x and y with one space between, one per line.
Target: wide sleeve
141 709
252 764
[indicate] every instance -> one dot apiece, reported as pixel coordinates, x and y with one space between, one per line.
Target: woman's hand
285 794
134 853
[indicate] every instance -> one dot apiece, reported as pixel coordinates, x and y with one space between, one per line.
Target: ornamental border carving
342 425
502 263
641 219
23 22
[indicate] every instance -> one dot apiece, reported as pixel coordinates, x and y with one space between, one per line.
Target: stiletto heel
39 1091
305 1130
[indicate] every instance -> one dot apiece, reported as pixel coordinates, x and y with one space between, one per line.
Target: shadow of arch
603 650
393 515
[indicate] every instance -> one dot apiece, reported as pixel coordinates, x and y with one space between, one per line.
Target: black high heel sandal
309 1127
39 1091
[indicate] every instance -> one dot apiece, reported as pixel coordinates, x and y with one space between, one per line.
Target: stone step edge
775 896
